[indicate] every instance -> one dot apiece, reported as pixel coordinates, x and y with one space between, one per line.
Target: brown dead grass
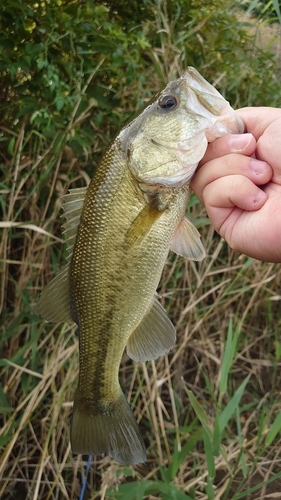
37 462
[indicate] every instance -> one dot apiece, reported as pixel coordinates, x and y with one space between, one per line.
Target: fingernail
239 142
259 200
258 167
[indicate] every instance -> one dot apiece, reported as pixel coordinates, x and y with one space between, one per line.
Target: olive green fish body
113 278
119 232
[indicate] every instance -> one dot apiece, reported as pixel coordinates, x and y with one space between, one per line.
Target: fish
119 232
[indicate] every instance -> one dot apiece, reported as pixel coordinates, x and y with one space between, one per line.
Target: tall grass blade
210 489
252 6
230 408
258 487
229 353
274 430
276 5
200 412
209 454
240 440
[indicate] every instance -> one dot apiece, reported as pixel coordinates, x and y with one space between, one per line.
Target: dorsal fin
54 303
72 206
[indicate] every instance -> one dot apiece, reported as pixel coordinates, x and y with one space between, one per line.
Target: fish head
166 141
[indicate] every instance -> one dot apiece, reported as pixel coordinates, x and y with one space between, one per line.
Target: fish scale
119 231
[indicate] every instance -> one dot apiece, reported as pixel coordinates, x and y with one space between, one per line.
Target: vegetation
72 73
271 11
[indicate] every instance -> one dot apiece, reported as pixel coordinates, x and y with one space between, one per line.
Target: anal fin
154 336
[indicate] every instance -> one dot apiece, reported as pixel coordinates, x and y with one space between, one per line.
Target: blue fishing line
85 478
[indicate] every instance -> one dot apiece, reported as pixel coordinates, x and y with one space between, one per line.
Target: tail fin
113 431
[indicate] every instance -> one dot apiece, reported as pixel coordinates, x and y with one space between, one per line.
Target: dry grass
40 366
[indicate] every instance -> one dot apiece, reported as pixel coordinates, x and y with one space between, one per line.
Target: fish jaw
205 100
164 146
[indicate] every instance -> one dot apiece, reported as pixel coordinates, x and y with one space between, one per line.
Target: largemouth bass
120 230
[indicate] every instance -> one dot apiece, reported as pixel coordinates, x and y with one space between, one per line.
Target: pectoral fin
142 224
187 241
154 337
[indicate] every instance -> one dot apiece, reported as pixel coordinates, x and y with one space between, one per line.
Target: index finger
230 143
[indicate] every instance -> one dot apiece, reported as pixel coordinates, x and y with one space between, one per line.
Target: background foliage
72 73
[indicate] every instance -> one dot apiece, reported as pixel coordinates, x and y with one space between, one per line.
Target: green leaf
276 6
209 454
186 450
210 489
5 407
229 354
59 103
11 146
42 63
240 439
200 412
230 409
126 491
217 435
274 430
246 493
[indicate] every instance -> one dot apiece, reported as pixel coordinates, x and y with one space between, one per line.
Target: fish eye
168 102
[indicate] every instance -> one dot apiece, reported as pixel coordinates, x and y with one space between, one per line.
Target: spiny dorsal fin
72 206
187 241
154 337
54 303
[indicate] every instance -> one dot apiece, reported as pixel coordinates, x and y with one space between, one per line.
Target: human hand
239 182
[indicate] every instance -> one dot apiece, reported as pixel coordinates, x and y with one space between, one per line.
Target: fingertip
250 197
239 143
258 200
252 200
228 144
261 169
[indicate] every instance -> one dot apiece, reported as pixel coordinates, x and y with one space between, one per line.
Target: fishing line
85 477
